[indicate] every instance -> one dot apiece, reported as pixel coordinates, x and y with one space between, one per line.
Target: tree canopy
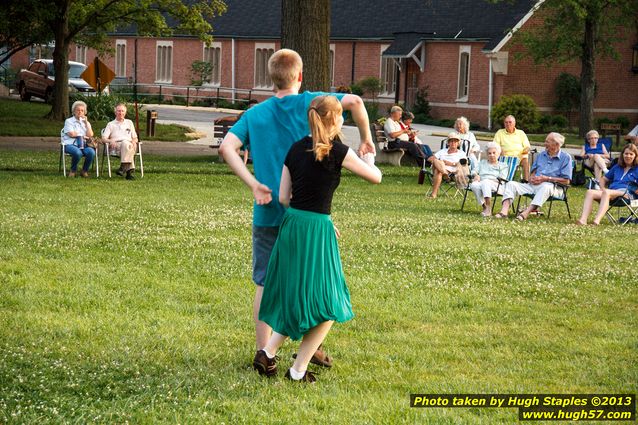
582 30
88 22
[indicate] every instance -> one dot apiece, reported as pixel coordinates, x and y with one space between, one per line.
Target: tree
580 30
201 72
305 28
30 30
567 94
372 86
89 21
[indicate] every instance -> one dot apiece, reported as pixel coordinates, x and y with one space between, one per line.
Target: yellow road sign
98 75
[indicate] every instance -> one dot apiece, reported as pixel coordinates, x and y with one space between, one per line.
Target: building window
164 62
464 73
80 54
388 74
120 58
263 52
213 55
332 65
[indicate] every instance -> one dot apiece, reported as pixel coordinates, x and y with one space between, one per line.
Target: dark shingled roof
382 19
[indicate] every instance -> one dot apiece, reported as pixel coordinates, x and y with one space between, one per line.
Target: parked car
38 80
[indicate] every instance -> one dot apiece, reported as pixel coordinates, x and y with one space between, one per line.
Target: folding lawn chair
62 161
621 203
512 163
447 185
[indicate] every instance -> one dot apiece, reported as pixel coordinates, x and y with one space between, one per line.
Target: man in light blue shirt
550 167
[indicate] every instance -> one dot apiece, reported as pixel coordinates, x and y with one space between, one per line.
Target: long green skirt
304 285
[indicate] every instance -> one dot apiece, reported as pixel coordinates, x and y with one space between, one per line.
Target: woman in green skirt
305 290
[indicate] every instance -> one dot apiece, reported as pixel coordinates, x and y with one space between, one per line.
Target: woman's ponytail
322 121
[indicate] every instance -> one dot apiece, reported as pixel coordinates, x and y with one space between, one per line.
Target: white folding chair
62 162
108 153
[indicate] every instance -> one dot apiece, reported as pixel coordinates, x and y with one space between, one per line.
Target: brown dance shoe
308 377
84 174
320 358
264 365
71 174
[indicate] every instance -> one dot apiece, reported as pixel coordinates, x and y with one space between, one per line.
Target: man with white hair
551 166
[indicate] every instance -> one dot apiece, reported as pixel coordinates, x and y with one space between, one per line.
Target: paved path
200 120
152 148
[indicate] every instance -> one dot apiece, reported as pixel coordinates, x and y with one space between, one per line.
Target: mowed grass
131 302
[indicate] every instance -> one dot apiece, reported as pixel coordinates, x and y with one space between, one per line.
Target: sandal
519 217
499 215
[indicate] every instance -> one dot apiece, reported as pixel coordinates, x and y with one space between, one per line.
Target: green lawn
27 119
131 302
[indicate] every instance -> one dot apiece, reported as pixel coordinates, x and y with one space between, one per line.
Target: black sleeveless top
314 182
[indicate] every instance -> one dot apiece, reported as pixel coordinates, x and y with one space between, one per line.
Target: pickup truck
38 80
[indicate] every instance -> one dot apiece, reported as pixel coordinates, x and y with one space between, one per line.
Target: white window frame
80 53
217 73
384 64
262 81
164 65
120 61
331 58
463 77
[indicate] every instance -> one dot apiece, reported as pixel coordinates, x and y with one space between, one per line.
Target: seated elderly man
514 142
399 137
120 134
449 161
551 166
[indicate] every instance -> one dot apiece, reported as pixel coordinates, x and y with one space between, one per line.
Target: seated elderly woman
550 166
76 129
595 154
614 184
449 161
406 123
462 126
485 182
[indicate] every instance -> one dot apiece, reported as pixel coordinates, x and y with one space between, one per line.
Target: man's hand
262 194
365 147
536 180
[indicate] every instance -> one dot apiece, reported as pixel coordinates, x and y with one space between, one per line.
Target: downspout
405 84
354 52
232 68
490 99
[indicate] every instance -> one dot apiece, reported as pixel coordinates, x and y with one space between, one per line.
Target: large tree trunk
587 76
61 64
305 28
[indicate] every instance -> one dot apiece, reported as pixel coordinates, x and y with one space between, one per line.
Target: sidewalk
52 144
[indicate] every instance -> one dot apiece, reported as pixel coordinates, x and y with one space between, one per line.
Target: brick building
460 50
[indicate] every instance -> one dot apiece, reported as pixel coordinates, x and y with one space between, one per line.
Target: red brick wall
617 85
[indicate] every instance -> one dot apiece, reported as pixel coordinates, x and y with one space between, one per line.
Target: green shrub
356 89
371 86
560 122
101 108
623 121
421 105
373 110
522 107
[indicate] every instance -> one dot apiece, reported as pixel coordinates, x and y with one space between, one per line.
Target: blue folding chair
512 164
